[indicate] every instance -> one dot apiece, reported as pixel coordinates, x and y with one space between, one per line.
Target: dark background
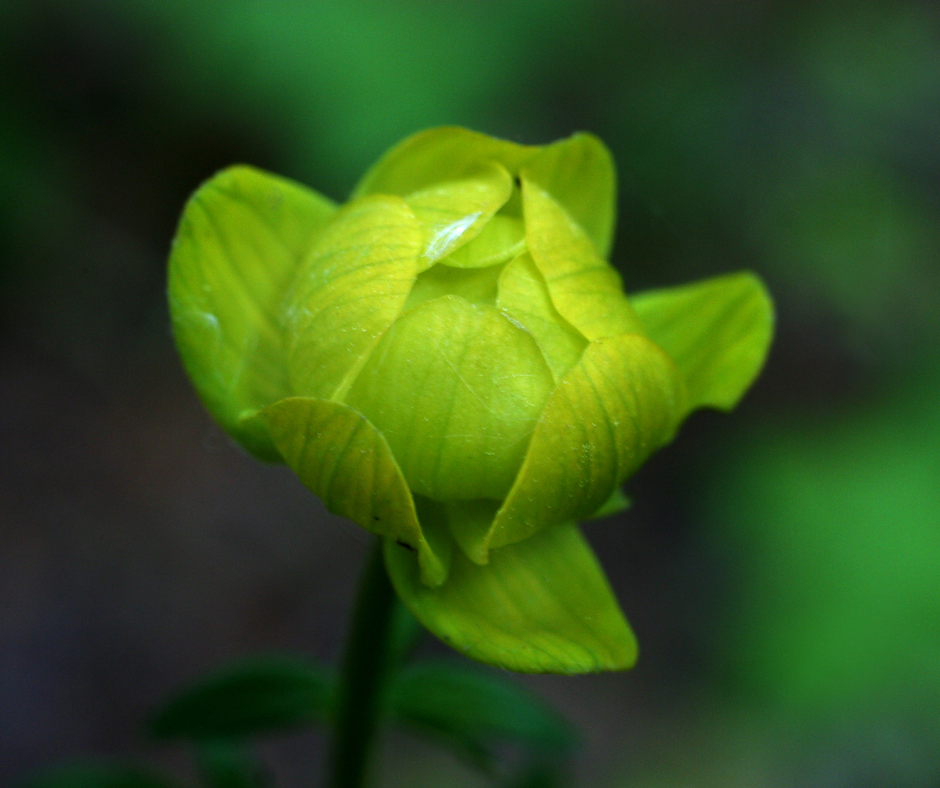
781 565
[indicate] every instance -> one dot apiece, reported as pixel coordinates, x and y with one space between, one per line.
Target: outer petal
540 606
346 462
718 331
241 238
349 291
616 406
456 412
436 155
579 173
454 212
586 291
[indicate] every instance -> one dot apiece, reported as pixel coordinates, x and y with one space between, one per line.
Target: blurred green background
781 565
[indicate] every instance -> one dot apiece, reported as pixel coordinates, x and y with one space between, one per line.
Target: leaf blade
471 710
254 696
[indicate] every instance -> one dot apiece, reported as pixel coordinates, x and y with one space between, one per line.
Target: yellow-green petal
349 291
241 237
618 404
718 331
346 462
454 212
524 296
456 389
585 289
579 173
540 606
436 155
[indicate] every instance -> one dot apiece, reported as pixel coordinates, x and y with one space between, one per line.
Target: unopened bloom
449 361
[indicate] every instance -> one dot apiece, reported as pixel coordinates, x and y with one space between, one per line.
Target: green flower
449 361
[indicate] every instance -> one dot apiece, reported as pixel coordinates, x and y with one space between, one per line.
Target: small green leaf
579 173
523 294
97 775
540 606
585 290
240 239
471 710
619 403
348 291
227 764
456 414
436 155
255 696
341 457
718 331
454 212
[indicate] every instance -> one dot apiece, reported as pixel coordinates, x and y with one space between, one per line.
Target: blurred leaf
97 775
256 696
539 774
835 525
229 765
471 710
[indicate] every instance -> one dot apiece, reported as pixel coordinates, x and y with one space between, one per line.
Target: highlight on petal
540 606
579 173
454 212
456 412
524 296
435 155
718 332
348 291
618 404
240 239
502 239
585 290
345 461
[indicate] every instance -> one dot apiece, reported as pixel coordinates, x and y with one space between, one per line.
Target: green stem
367 664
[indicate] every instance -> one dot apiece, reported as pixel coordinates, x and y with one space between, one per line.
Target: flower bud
449 361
